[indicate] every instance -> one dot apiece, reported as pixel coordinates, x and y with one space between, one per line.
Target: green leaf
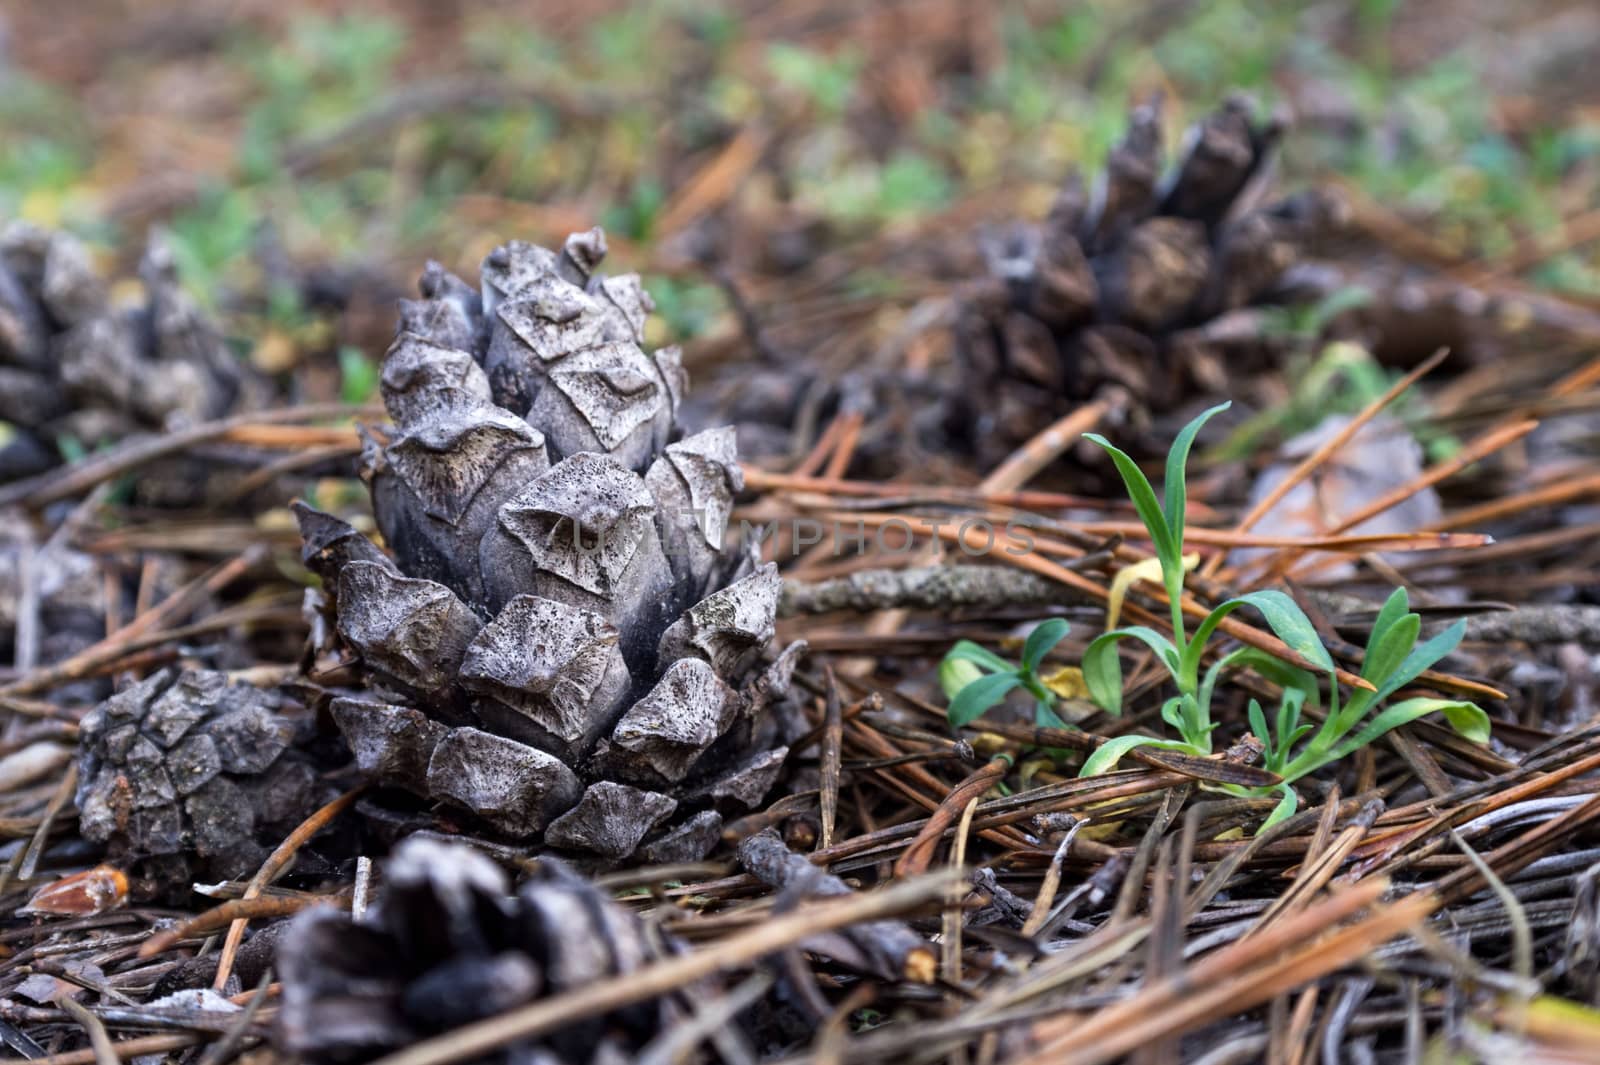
1144 501
1274 669
1284 617
1177 460
1397 606
1109 753
1045 716
1384 657
966 650
973 701
1258 723
1466 718
358 375
1289 715
1422 658
1290 624
955 674
1335 303
1102 669
1044 636
1283 811
1172 714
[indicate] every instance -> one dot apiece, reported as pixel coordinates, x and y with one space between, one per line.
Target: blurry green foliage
686 307
46 146
206 237
828 81
634 217
320 74
358 375
673 77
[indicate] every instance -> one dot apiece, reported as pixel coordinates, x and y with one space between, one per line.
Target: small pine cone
185 766
72 362
1151 285
561 645
449 944
67 585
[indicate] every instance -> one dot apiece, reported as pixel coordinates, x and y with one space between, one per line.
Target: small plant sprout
1292 748
976 679
1189 711
1393 659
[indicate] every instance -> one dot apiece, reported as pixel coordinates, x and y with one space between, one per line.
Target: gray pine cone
449 944
186 766
562 645
1149 281
73 363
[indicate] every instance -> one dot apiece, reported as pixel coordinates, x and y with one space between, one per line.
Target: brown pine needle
1309 464
240 909
1485 445
1024 464
276 862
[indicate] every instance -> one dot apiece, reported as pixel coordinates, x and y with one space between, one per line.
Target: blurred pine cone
67 587
564 645
75 365
1150 285
449 944
187 768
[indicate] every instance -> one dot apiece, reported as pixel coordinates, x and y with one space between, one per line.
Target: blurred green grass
661 84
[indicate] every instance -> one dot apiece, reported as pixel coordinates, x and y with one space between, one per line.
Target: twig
1046 897
63 794
673 1045
86 473
1024 464
919 853
925 588
105 1053
832 741
128 1048
950 962
276 862
240 909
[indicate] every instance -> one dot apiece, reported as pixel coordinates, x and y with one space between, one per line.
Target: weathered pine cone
449 943
67 585
1150 283
185 773
562 644
74 364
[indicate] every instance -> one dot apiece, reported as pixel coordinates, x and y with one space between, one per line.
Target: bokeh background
802 157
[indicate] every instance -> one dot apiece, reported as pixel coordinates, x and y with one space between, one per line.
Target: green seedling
976 679
1393 659
1189 711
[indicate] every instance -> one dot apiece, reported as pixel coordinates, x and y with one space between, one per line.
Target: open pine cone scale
560 644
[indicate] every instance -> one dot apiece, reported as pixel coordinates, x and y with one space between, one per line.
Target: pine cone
186 765
450 944
562 644
1150 284
73 364
67 585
